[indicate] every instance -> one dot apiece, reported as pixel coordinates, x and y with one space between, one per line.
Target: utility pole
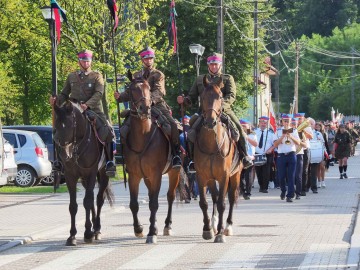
220 31
296 88
255 61
277 77
352 82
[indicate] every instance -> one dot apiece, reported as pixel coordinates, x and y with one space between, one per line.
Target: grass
37 189
119 174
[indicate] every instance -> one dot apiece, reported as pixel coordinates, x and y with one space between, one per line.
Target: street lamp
198 50
49 17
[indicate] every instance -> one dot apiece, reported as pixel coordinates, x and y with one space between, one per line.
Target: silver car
31 156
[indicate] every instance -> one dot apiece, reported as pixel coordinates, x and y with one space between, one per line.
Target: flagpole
117 90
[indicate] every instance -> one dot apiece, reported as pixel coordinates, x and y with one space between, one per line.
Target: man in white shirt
305 135
317 136
247 177
265 138
286 140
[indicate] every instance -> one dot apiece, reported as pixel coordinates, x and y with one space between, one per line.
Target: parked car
45 132
31 156
3 173
9 160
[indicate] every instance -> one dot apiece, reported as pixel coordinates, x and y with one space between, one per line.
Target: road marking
18 254
246 255
158 257
75 259
324 256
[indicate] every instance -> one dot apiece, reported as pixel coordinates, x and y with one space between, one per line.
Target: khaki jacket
229 89
85 87
156 80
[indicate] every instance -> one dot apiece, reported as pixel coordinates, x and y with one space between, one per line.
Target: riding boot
176 161
191 167
110 168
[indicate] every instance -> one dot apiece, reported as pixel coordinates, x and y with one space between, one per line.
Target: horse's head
211 103
140 100
67 122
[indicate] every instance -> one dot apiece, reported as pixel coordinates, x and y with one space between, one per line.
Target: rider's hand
83 106
116 95
52 100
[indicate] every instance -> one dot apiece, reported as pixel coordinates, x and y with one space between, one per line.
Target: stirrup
191 167
110 169
176 162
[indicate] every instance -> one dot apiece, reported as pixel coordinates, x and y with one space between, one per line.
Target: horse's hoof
89 237
139 235
168 231
98 236
151 239
138 230
208 235
71 241
220 238
228 230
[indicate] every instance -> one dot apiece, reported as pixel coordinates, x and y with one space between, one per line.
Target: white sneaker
323 184
319 184
271 185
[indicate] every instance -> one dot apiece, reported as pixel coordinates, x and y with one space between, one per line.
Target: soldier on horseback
87 87
156 80
215 75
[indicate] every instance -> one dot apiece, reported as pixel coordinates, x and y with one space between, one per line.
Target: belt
288 153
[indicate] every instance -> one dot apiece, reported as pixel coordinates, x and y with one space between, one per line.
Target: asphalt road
312 233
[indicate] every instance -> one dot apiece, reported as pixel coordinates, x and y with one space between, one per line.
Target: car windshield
38 141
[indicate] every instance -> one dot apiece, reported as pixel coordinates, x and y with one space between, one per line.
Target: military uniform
88 87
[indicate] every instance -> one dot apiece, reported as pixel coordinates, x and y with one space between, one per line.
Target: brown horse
80 153
147 156
216 159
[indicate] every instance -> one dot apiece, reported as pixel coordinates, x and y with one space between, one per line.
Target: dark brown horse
81 155
215 160
147 156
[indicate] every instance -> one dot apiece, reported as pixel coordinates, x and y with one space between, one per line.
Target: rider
87 87
214 62
156 80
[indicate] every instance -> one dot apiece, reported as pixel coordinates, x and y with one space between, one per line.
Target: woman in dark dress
342 146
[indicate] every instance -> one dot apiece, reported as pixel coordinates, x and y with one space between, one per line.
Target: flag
58 11
113 12
172 29
333 119
272 117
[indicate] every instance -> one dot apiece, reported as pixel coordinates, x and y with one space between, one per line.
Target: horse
147 155
216 159
81 155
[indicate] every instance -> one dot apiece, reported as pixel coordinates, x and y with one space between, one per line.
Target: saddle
105 132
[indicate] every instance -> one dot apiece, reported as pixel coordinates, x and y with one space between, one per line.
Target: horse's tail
109 194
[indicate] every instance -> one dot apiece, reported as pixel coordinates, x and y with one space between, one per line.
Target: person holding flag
156 80
215 75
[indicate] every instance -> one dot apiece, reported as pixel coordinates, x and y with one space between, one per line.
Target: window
22 140
11 138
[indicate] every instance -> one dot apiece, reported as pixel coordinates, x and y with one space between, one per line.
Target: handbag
261 159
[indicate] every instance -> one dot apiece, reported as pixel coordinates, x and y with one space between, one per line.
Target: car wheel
48 180
25 177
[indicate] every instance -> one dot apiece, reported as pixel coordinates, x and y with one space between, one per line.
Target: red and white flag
272 117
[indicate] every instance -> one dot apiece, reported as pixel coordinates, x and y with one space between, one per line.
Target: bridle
136 110
212 125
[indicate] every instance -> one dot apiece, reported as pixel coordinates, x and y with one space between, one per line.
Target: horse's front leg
73 207
234 183
88 205
207 231
223 185
153 184
134 204
214 196
174 177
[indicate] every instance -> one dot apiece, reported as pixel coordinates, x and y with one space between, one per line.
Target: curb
354 251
